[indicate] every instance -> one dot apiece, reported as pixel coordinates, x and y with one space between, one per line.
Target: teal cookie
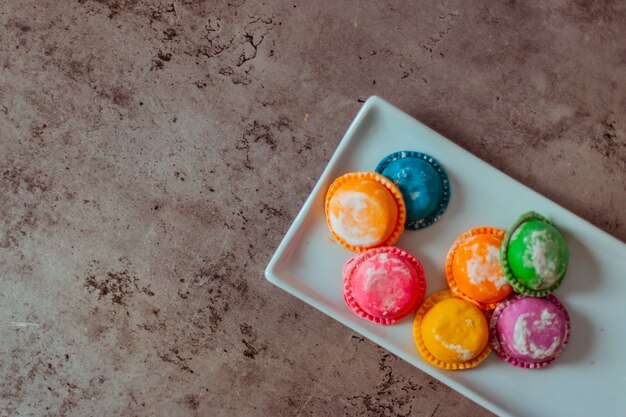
423 183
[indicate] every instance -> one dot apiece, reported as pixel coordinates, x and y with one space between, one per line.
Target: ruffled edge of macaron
421 346
385 182
356 260
450 258
445 181
498 346
517 284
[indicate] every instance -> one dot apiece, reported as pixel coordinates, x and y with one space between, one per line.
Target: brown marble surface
153 154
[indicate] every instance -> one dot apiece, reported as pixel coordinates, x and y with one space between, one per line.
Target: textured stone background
153 154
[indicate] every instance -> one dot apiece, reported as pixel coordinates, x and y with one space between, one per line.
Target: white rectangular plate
588 379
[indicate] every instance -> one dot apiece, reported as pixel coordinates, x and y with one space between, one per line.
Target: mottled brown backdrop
153 154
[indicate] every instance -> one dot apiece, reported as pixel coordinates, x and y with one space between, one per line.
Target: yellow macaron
450 332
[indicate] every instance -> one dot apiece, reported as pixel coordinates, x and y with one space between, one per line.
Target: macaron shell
530 332
473 268
533 329
419 183
456 330
384 284
537 254
364 210
534 256
424 185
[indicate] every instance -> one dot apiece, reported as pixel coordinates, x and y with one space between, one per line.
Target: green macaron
534 255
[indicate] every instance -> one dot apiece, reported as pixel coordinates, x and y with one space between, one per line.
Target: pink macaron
530 332
384 284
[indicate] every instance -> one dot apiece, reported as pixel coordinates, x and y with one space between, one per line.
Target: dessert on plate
383 284
534 255
473 267
364 210
530 332
450 332
424 185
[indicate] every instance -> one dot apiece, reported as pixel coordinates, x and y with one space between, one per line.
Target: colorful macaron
530 332
424 185
450 332
384 284
473 267
364 210
534 255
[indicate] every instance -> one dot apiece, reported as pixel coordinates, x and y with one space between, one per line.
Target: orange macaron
473 267
365 210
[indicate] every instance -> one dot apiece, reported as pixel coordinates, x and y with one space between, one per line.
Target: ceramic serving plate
588 379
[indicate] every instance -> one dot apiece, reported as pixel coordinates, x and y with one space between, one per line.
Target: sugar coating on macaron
384 284
454 330
534 255
450 332
364 210
473 268
424 185
530 332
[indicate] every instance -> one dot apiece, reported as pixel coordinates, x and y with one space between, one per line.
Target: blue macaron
424 185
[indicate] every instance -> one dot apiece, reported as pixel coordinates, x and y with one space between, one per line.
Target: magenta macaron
529 332
384 284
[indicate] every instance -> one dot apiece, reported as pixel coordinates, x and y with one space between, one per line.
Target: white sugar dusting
414 195
464 354
536 256
469 322
351 223
539 353
377 276
480 267
521 334
546 320
389 304
373 276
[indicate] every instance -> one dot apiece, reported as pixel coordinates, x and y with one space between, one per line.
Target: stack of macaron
499 282
531 328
